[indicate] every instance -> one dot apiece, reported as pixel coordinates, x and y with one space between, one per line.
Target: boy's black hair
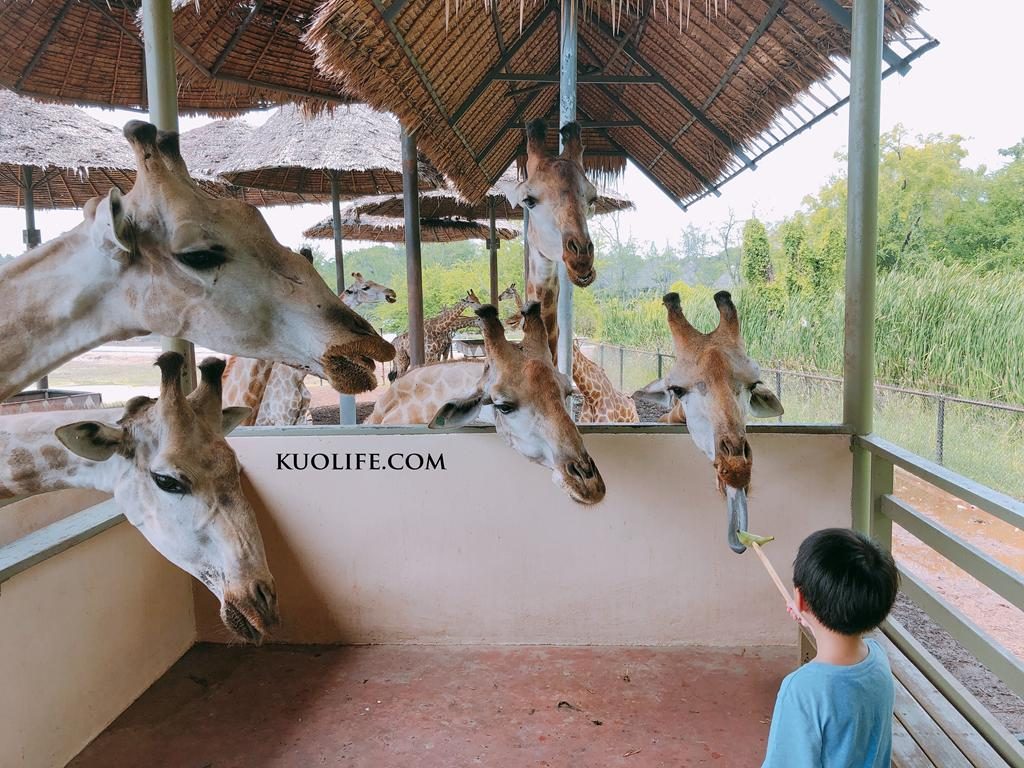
848 582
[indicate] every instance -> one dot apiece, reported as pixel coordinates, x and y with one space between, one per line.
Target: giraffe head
559 196
363 291
509 293
471 301
527 394
718 386
211 271
177 480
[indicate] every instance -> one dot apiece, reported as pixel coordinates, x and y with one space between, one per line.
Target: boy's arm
795 737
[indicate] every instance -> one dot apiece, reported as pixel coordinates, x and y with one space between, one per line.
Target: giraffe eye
169 484
529 201
505 407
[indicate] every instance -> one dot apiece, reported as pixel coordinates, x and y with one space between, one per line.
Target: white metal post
566 114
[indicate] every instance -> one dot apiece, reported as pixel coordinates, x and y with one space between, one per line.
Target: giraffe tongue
736 500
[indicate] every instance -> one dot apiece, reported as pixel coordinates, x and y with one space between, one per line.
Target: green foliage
756 263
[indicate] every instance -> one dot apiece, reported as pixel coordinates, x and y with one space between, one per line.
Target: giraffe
602 402
171 471
437 335
167 258
277 393
559 197
717 385
518 389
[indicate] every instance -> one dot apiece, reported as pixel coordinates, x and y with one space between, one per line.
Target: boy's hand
797 616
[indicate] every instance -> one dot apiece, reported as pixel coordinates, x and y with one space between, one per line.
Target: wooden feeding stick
754 542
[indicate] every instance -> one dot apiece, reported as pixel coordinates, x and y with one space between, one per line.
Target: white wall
490 551
82 635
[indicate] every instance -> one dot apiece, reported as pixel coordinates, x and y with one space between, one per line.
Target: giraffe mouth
583 280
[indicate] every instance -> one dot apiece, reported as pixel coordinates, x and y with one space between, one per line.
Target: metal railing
613 359
887 510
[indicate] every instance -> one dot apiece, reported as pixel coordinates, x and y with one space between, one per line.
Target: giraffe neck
447 319
35 461
542 286
59 300
586 378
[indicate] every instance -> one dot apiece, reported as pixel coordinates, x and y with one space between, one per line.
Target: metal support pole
413 258
861 243
492 246
526 249
162 88
339 253
31 235
940 431
346 403
566 114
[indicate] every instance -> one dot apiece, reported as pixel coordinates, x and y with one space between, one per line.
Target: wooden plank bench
928 731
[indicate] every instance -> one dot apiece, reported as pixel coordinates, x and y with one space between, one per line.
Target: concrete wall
82 634
490 551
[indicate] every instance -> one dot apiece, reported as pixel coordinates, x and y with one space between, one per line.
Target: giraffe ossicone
171 472
167 258
714 386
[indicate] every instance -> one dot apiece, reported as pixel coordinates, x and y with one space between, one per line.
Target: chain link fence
983 440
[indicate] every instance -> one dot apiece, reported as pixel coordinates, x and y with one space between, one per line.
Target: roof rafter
223 55
731 144
842 17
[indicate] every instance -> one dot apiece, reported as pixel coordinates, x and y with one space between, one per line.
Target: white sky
959 87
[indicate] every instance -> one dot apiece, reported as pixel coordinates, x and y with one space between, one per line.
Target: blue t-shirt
829 716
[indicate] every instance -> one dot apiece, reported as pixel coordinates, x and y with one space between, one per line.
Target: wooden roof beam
223 55
589 79
842 17
726 140
502 62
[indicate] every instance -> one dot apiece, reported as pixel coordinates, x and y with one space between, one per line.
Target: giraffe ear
514 191
657 392
763 402
459 412
232 417
111 228
91 440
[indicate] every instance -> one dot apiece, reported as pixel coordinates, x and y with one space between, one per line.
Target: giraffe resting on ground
167 258
277 393
716 386
437 335
602 402
517 388
171 471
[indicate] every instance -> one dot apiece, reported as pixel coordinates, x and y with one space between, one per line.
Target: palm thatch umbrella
448 202
91 52
207 147
381 229
351 152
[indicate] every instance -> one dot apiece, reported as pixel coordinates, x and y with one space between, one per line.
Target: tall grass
949 329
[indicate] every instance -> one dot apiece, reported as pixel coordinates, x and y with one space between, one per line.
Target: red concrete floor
448 707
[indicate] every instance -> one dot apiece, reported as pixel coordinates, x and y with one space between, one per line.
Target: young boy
836 712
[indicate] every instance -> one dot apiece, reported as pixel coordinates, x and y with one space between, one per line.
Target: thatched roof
74 156
689 100
206 148
91 52
379 229
449 203
298 153
255 41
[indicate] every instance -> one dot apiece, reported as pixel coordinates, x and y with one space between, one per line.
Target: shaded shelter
691 99
380 229
92 52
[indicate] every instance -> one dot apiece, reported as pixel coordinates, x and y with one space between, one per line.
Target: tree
756 259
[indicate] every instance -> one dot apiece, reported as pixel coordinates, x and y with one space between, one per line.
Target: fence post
659 364
778 387
940 430
601 348
622 363
881 484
